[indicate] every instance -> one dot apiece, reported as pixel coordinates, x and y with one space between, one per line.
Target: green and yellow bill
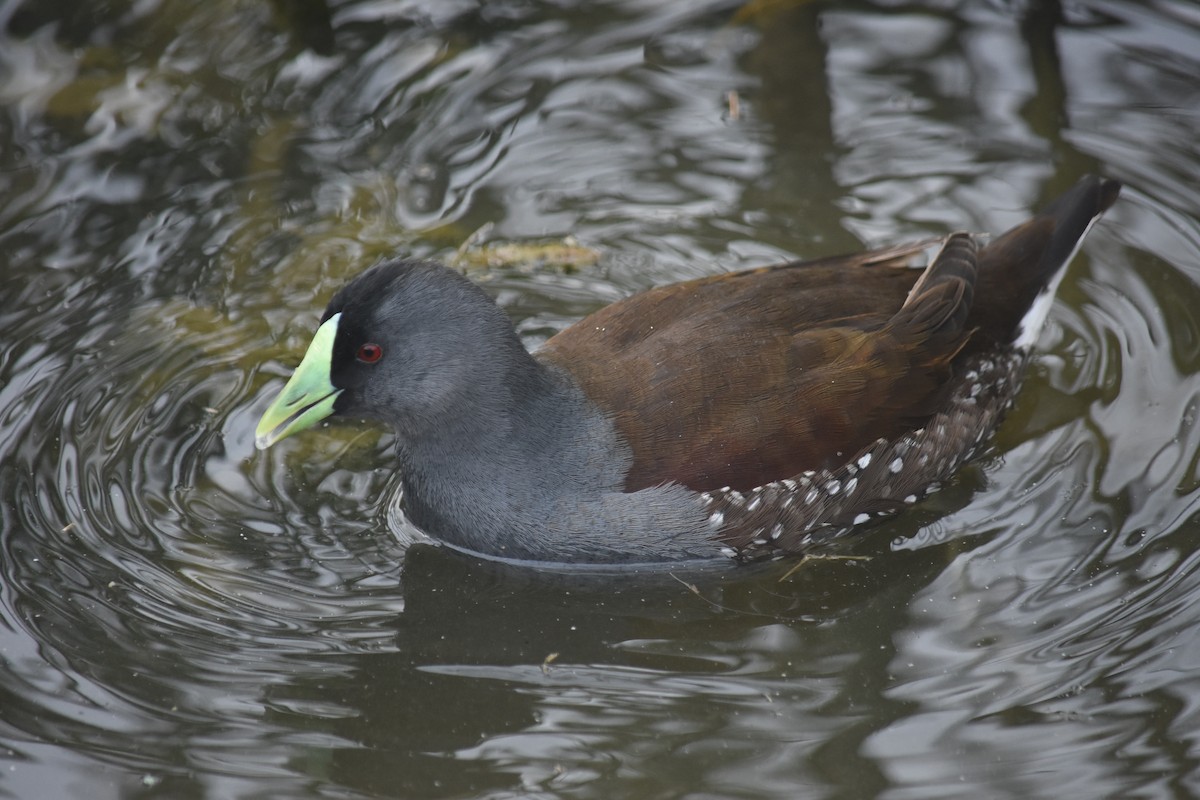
309 394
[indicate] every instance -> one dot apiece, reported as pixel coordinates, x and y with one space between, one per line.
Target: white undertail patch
1031 324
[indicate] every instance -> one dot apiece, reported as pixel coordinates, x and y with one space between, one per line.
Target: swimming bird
749 414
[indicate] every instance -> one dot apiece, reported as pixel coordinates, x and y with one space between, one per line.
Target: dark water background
182 186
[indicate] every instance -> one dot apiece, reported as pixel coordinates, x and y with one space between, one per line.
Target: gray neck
525 468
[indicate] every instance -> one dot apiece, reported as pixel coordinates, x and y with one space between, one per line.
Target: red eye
369 353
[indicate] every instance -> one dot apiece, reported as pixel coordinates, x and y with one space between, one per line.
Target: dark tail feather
1020 270
1073 213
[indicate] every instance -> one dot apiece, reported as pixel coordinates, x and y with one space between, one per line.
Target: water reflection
183 185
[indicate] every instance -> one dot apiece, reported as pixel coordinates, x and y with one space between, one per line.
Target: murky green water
184 184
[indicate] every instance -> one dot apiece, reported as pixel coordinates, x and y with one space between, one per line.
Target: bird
746 415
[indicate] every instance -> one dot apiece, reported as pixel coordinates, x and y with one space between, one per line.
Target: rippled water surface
184 184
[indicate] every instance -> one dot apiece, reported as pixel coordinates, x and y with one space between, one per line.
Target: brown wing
744 378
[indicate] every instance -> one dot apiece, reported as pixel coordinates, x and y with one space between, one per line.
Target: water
183 185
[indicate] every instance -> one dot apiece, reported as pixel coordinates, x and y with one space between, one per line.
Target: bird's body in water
747 414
